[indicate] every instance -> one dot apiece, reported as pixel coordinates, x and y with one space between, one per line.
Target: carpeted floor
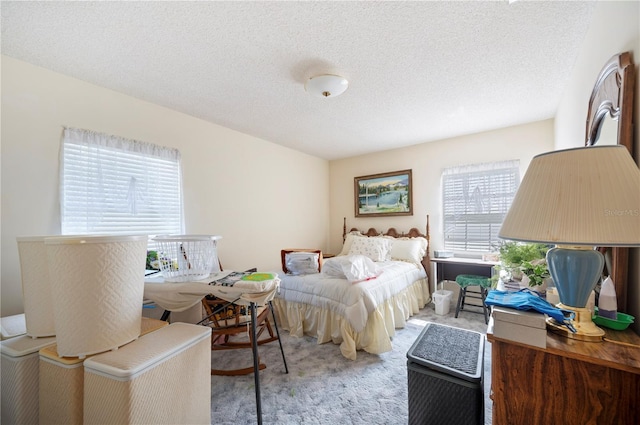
323 387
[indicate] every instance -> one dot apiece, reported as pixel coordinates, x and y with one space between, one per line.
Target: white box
442 301
531 319
164 377
19 380
525 327
441 253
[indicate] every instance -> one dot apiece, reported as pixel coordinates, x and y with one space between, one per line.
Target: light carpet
323 387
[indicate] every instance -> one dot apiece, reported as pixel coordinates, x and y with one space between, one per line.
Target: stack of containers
97 284
62 381
20 361
92 288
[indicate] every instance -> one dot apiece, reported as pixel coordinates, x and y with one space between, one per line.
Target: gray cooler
445 377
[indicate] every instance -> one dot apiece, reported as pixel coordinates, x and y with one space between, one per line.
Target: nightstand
568 382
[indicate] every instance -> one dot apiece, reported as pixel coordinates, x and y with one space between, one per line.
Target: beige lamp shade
585 196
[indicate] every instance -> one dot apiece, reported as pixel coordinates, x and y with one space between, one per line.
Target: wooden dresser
569 382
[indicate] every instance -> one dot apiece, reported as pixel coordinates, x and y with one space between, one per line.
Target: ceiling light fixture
326 85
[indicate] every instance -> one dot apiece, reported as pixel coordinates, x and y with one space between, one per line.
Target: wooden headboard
392 232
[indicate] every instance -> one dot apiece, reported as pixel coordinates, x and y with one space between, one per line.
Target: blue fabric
525 299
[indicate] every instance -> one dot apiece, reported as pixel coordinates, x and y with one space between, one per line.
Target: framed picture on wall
384 194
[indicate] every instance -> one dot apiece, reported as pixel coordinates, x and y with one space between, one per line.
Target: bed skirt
325 325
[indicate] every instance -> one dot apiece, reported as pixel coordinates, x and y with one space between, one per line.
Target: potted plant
522 261
536 274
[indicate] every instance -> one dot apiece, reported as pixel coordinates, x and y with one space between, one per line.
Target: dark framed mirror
610 121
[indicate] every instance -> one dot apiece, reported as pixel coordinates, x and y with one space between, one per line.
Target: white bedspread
355 302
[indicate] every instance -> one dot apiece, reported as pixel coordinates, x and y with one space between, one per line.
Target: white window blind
475 201
112 185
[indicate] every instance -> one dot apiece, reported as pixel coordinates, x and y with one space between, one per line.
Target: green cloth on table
465 280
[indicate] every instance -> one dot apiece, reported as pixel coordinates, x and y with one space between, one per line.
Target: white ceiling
418 71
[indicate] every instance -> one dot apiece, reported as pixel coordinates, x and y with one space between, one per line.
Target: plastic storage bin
162 378
442 301
19 380
97 285
445 377
184 258
62 381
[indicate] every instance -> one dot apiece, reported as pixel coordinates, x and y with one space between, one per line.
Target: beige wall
259 196
615 29
427 161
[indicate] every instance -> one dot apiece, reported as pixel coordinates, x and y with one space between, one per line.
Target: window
475 200
111 185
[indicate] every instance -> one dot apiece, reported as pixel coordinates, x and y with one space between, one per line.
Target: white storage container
36 286
97 285
61 387
184 258
162 378
62 382
19 380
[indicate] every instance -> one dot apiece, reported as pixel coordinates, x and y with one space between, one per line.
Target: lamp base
586 330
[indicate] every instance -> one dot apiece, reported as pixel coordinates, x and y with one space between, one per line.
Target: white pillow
376 248
409 249
360 268
348 240
333 266
354 268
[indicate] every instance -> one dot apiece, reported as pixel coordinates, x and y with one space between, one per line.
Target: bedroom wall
427 161
615 29
259 196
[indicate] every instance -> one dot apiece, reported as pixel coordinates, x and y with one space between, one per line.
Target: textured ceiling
418 71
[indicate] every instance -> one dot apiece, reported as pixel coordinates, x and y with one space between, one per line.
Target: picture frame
384 194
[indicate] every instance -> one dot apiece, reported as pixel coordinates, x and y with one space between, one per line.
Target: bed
357 311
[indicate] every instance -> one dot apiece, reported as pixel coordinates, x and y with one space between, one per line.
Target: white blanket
354 301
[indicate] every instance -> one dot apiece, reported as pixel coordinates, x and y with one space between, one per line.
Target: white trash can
442 301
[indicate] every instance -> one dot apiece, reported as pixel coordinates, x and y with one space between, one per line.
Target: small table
449 268
180 296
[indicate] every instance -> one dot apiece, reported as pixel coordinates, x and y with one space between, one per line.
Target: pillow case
411 250
348 240
376 248
354 268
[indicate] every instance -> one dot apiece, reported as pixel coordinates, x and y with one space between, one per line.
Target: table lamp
577 199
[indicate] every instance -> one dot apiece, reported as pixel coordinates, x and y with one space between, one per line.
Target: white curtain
113 185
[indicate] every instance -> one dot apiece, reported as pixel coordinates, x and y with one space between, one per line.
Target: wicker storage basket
184 258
